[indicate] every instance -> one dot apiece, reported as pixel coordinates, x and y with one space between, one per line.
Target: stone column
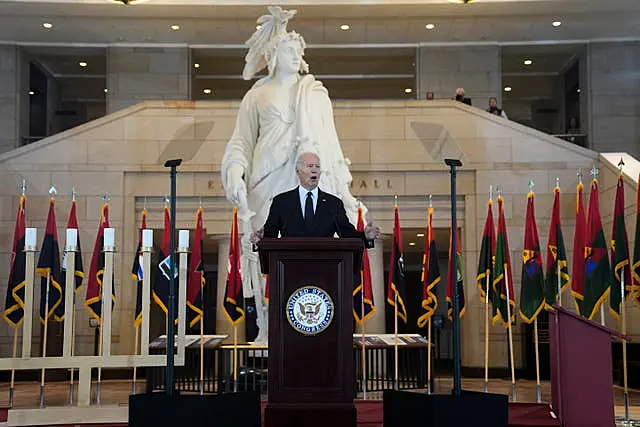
10 97
478 69
138 74
614 97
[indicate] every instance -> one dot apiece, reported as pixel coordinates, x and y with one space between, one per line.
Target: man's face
493 103
309 171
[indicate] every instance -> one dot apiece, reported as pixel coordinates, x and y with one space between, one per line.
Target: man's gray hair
299 159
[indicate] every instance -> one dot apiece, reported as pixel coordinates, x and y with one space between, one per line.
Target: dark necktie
308 210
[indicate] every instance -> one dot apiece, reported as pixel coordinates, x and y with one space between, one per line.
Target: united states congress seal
310 310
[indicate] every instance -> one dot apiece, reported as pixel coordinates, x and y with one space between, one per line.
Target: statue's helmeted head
272 44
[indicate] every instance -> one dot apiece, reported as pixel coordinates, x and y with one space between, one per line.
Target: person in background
493 108
461 98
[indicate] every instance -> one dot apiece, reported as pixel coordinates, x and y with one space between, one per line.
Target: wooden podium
581 371
311 377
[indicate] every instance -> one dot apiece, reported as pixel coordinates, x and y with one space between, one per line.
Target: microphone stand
169 384
457 380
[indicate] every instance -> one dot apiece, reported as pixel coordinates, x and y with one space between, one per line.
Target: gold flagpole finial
23 187
491 192
595 172
579 175
200 202
395 200
144 203
499 190
74 193
557 182
532 185
166 199
53 191
620 165
430 198
106 197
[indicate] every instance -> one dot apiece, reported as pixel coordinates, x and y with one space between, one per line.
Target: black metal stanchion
169 384
457 380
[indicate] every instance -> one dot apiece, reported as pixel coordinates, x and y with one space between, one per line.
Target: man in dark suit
307 211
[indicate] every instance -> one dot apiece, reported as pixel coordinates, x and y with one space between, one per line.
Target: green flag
619 254
597 279
532 288
503 281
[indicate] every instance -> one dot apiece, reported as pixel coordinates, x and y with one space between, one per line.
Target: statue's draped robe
266 142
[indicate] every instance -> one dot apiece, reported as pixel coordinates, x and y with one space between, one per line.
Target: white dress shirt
303 198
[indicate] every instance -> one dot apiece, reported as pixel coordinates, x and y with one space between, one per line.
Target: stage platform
114 410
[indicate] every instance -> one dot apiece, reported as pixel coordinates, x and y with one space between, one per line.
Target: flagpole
364 355
99 385
201 321
395 338
623 318
201 338
558 261
429 356
44 338
13 371
235 358
538 388
135 368
513 374
486 336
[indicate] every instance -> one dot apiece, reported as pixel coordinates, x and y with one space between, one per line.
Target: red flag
14 302
556 256
78 269
579 238
396 288
93 298
363 306
196 280
233 298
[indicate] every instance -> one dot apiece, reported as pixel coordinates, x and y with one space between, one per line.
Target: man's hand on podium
256 236
372 232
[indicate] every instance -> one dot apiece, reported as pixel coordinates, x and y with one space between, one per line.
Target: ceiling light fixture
412 244
507 88
345 27
175 27
47 25
430 26
206 91
196 65
420 235
578 91
528 62
106 90
31 92
82 64
408 90
556 23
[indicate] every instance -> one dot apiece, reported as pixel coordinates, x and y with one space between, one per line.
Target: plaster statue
285 113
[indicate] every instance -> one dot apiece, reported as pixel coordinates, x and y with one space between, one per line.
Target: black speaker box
470 409
215 410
